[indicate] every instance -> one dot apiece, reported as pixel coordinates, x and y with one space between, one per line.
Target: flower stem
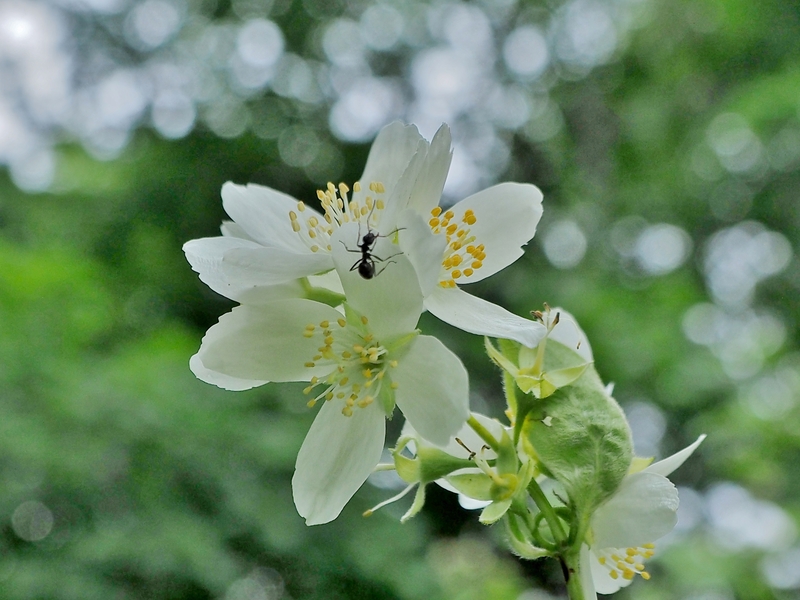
556 528
484 433
571 567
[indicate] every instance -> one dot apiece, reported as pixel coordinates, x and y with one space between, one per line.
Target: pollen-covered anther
461 247
625 564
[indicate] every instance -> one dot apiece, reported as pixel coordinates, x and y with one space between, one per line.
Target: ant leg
379 259
391 262
348 249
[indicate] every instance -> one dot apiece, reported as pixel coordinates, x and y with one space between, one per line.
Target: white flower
276 239
360 363
623 529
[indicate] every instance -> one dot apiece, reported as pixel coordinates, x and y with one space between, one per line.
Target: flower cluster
332 296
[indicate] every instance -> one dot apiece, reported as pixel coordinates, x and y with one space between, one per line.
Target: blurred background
665 136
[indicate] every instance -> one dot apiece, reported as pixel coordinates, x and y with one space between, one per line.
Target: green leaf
582 438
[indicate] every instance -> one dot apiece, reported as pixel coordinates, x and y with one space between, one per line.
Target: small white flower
624 528
359 362
276 239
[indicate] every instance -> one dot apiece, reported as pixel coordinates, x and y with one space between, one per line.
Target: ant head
369 237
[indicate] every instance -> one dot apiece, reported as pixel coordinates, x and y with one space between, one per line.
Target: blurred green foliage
160 486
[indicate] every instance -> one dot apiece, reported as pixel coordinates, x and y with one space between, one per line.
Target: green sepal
507 460
582 439
428 465
323 295
416 506
474 485
494 512
520 545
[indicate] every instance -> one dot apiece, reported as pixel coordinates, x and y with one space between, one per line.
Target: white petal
423 248
586 569
235 267
472 314
263 213
643 510
391 152
231 229
391 299
432 390
602 581
430 183
336 458
669 464
570 334
266 343
226 382
507 215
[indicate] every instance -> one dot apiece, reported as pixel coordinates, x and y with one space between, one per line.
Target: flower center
627 563
337 209
462 257
359 364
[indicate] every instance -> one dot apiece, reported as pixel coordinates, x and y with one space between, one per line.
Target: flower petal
472 314
423 248
669 464
391 152
506 218
643 510
226 382
265 343
263 213
336 458
432 390
235 267
430 183
391 299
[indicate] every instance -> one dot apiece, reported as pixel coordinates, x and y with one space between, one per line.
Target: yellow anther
449 215
331 188
301 206
476 264
311 403
341 322
393 363
451 229
358 348
309 365
324 324
395 385
614 575
346 354
645 575
344 380
601 560
366 401
456 259
456 274
456 245
436 211
329 396
367 373
468 272
314 248
357 186
347 411
373 186
470 219
308 389
314 380
308 334
434 222
340 395
322 197
379 204
461 233
329 340
343 189
649 546
312 233
356 388
317 357
364 319
364 210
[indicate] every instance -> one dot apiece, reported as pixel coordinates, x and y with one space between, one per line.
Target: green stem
484 433
556 528
571 567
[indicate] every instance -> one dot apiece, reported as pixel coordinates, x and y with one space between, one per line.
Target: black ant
366 264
